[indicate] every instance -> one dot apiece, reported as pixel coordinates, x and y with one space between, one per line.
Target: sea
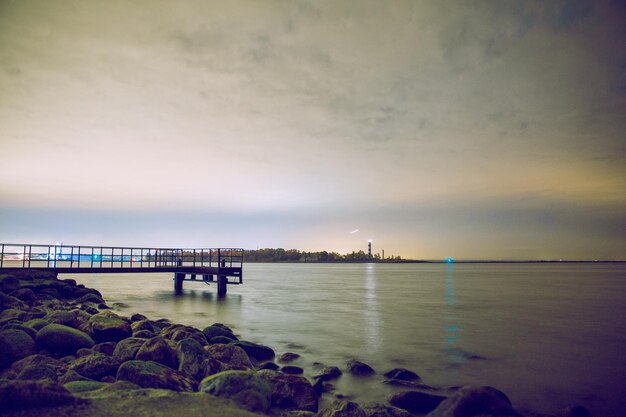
549 335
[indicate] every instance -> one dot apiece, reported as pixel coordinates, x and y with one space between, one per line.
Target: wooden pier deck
210 265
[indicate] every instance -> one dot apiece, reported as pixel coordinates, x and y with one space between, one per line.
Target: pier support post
178 282
221 285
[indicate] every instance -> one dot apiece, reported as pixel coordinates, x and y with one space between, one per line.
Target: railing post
79 257
24 257
30 254
71 256
2 256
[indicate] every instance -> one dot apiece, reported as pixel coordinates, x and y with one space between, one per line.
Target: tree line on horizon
295 255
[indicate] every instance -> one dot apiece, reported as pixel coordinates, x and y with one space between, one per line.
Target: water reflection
371 314
454 355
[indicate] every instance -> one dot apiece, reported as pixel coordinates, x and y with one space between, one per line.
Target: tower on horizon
369 248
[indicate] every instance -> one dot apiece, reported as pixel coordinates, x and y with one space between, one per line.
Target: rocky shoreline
64 352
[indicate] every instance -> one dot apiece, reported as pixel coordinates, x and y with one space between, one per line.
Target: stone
382 410
402 375
221 339
84 352
322 386
108 327
137 317
329 373
71 376
288 357
15 344
24 294
66 318
83 386
126 349
28 330
12 314
142 325
359 368
106 348
144 334
178 332
216 330
416 401
256 351
248 390
37 324
20 394
343 409
234 357
36 359
291 392
191 358
574 411
89 298
474 401
61 339
269 366
158 349
148 374
96 366
292 370
38 372
8 301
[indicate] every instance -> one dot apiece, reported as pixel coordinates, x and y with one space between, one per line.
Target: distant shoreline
417 261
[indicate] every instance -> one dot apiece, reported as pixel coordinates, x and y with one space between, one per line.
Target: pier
222 266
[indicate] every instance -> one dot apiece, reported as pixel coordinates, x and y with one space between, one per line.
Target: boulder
38 372
474 401
288 357
20 394
255 351
148 374
402 375
343 409
191 358
329 373
61 339
291 392
574 411
9 283
158 350
89 298
64 317
220 339
15 344
127 349
14 314
144 324
248 390
234 357
269 366
137 317
144 334
84 386
96 366
359 368
25 294
382 410
37 324
416 401
7 301
106 348
19 326
108 327
216 330
34 360
71 376
292 370
178 332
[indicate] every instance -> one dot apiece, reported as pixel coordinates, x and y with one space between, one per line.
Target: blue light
449 260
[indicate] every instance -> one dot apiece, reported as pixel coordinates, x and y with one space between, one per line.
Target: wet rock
234 357
137 317
25 294
38 372
80 353
216 330
322 386
89 298
27 394
359 368
148 374
144 334
108 327
144 324
415 401
126 350
292 370
71 376
382 410
291 392
343 409
221 339
328 373
106 348
63 317
14 314
473 401
298 413
158 350
34 360
14 325
37 324
402 375
7 301
83 386
96 366
288 357
245 388
271 366
191 358
179 332
61 339
14 345
256 351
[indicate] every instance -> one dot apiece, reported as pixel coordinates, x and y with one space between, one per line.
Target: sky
470 129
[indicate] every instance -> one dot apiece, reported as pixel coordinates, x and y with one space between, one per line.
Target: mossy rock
127 349
38 373
28 394
217 331
19 326
96 366
108 327
37 324
14 345
148 374
61 339
234 357
246 388
82 386
254 350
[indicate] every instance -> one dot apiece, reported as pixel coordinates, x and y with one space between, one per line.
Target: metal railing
29 256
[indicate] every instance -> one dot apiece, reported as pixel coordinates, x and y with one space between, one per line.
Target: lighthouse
369 248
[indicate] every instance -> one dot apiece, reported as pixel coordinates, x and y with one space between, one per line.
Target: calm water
546 335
